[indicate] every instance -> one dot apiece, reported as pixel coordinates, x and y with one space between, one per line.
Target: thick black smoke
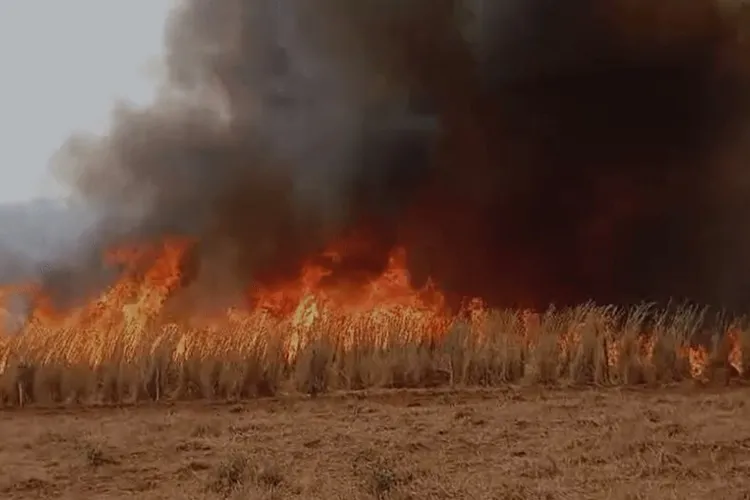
524 151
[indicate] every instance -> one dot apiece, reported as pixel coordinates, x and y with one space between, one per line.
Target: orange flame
127 319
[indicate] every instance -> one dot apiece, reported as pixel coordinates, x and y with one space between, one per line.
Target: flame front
128 319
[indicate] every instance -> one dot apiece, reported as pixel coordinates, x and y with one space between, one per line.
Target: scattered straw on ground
511 443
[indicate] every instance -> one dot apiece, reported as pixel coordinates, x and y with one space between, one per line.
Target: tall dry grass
583 345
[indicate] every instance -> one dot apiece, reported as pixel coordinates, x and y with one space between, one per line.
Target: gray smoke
523 150
255 147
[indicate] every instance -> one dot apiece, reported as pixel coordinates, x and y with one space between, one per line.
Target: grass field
512 443
589 402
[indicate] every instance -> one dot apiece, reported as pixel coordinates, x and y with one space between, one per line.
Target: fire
385 302
131 310
127 320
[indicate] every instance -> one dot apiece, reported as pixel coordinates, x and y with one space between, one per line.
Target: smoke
522 151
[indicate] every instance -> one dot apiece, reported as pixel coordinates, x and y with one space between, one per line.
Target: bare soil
683 442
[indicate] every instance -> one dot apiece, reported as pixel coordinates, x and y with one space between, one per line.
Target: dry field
518 443
583 403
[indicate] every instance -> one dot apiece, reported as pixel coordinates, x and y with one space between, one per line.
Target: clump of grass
206 431
672 337
237 471
269 476
590 363
631 360
379 476
313 370
230 474
96 456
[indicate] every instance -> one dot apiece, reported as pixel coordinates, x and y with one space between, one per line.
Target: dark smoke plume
524 151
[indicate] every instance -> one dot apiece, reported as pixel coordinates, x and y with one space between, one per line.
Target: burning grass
314 335
398 349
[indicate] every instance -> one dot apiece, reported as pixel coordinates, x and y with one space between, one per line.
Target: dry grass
512 443
587 345
582 403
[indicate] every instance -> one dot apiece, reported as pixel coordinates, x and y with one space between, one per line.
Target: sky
63 64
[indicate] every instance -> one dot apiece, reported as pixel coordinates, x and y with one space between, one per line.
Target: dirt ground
514 443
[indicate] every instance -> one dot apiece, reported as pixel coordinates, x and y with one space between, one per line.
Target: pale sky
63 63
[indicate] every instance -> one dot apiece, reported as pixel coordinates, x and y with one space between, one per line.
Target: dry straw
255 355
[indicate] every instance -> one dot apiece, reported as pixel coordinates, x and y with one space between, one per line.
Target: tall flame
128 319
